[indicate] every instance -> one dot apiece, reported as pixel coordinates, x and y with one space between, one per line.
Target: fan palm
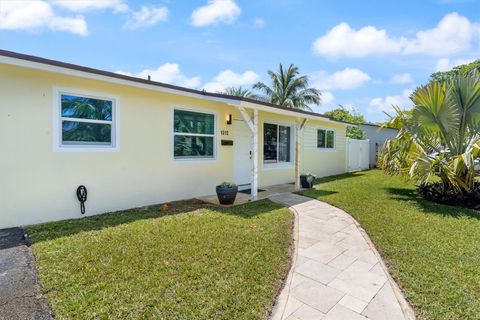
289 89
440 137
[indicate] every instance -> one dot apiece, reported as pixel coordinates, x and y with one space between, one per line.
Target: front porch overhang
249 113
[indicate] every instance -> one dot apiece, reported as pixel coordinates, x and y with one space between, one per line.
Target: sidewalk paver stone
337 274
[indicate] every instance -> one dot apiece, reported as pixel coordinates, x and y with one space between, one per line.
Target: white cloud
345 79
167 73
146 17
401 78
35 15
216 11
258 23
378 105
342 40
327 103
453 34
445 64
228 78
327 97
90 5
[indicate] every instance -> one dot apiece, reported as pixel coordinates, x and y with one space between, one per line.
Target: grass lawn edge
278 285
407 308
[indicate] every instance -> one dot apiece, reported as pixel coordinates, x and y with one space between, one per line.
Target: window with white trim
193 135
276 143
86 121
325 139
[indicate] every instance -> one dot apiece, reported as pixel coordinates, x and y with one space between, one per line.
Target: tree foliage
440 137
462 70
343 114
289 88
398 119
239 92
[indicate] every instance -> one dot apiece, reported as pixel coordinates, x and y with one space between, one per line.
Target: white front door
242 163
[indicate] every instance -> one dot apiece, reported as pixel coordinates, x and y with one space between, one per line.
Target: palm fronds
239 92
440 137
289 88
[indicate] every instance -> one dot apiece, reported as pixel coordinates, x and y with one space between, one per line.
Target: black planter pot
304 182
226 195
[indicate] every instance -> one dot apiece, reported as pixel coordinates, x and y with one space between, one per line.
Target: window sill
90 148
326 150
281 165
193 160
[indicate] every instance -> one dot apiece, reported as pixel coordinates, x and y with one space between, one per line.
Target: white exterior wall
38 181
377 137
323 162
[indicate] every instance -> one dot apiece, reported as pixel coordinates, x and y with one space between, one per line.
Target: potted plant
306 180
227 192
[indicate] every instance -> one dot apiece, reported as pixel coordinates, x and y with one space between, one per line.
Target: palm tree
289 89
440 137
396 121
239 92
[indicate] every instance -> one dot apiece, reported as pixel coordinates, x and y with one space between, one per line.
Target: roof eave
38 63
288 112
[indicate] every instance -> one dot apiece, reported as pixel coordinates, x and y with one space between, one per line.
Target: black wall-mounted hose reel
82 197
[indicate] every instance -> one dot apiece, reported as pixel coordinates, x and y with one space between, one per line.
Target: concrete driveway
20 293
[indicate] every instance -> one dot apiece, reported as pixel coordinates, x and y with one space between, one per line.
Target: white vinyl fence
357 154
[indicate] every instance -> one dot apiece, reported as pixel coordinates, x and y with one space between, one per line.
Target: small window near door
325 139
276 143
193 135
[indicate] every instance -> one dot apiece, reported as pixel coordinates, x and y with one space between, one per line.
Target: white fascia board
287 112
153 87
88 75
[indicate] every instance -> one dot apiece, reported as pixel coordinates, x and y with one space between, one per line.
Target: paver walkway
336 271
20 294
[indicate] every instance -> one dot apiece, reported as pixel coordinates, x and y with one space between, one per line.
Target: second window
276 143
325 139
194 135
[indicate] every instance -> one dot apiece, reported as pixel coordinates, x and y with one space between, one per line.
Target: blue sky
362 54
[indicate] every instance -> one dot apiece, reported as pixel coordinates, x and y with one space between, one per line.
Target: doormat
249 191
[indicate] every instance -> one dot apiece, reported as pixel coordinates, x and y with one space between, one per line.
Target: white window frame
326 149
278 165
214 135
59 146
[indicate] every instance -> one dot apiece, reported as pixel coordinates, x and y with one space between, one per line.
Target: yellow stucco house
144 143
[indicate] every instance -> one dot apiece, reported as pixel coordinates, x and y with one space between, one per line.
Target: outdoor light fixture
229 119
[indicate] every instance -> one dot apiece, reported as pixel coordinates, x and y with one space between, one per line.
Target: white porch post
298 130
252 123
254 186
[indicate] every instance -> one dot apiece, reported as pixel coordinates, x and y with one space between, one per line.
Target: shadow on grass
339 177
315 193
53 230
411 195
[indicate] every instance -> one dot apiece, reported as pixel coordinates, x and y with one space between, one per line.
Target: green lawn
432 250
192 261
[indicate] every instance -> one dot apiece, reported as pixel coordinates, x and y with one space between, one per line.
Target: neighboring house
377 136
134 142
